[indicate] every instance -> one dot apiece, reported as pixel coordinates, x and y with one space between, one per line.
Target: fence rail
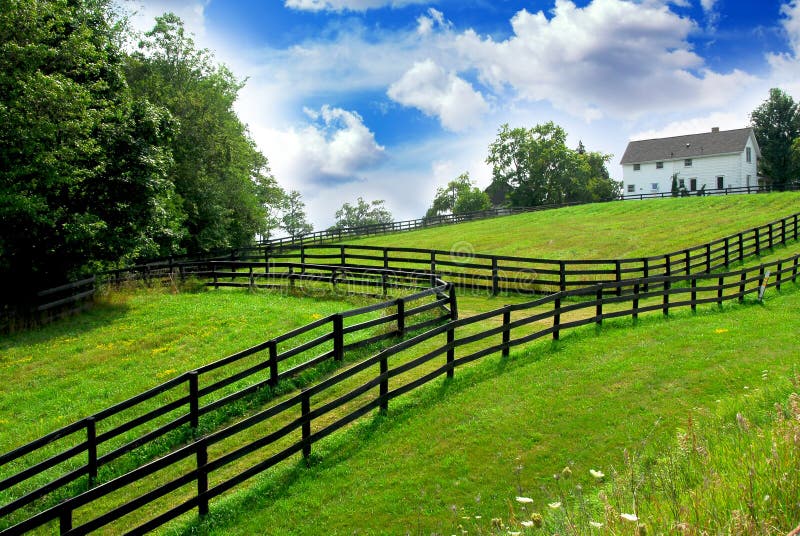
446 219
498 273
300 423
103 437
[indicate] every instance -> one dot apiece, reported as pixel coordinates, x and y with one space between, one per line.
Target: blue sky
390 99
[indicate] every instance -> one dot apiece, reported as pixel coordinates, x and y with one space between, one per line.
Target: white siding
733 168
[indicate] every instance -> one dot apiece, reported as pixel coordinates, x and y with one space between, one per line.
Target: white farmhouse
716 160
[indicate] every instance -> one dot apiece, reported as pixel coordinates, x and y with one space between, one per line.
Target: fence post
338 337
386 258
214 274
783 230
454 302
556 316
795 226
688 261
598 304
495 282
401 317
384 283
303 259
665 301
384 386
694 294
741 285
778 276
451 351
770 236
433 268
741 247
65 521
720 282
342 258
506 331
794 269
194 402
305 409
202 478
635 312
618 277
562 276
273 363
727 254
91 449
252 279
757 232
646 273
708 258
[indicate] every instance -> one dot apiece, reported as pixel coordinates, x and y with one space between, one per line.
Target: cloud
786 66
433 19
438 93
347 5
144 12
332 149
611 57
695 125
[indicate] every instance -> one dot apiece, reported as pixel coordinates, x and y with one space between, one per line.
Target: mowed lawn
130 342
603 230
458 452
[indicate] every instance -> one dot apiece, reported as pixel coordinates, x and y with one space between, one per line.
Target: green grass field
578 403
603 231
467 447
130 342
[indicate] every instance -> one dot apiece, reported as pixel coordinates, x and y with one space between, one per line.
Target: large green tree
224 182
294 220
82 182
535 167
362 213
459 197
776 123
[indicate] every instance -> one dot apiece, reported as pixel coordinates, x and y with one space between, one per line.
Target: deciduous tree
459 197
362 213
776 124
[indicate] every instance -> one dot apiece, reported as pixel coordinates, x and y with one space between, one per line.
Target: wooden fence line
733 285
185 393
447 219
501 273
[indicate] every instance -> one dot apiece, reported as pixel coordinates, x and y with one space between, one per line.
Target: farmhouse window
631 188
637 167
654 186
748 153
687 162
659 165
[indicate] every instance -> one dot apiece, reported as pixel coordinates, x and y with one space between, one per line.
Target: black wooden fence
120 429
497 273
190 477
337 235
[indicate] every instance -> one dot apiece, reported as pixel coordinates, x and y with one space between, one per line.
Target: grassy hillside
467 447
134 341
130 342
607 230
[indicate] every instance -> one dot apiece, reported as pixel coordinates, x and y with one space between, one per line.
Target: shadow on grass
96 316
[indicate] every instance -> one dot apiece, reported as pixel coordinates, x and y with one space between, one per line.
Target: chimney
714 129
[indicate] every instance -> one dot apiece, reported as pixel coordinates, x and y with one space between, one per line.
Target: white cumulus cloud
611 57
332 149
439 93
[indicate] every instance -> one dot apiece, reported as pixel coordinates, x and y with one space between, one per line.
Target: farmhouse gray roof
689 146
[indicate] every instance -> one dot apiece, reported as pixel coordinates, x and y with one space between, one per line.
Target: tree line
116 148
